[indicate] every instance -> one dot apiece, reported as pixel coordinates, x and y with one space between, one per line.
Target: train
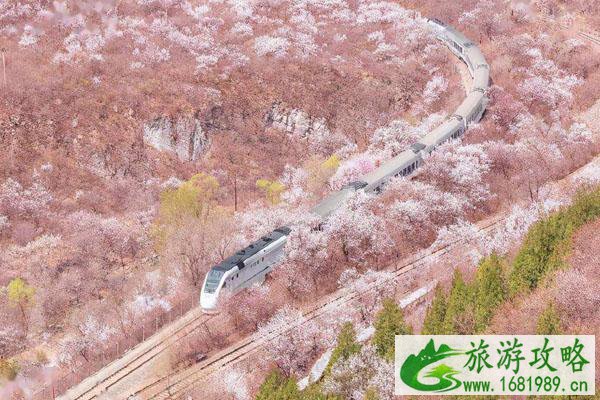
250 265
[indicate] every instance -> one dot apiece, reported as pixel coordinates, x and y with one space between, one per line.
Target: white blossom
234 382
4 223
269 45
29 37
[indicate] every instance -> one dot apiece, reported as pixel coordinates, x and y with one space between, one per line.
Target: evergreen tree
314 392
490 290
459 311
433 323
548 240
541 251
345 347
549 322
278 387
389 322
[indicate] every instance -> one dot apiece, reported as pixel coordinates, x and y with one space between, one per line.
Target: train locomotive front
243 269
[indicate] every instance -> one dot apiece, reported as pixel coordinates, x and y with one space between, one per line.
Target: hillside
147 140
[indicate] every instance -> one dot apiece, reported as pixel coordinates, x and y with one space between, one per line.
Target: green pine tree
345 347
459 318
541 251
278 387
490 290
433 323
548 240
549 322
314 392
389 322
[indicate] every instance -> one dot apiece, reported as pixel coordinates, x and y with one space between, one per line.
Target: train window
262 259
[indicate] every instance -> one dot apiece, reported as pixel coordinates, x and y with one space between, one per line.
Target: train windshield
212 282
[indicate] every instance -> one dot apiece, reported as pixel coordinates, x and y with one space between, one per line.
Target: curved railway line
404 164
175 386
251 264
169 385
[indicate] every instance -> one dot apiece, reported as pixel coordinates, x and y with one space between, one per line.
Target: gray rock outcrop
295 122
182 135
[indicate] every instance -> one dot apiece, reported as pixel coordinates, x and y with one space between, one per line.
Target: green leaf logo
409 372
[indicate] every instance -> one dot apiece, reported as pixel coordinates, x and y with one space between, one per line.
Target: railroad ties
591 36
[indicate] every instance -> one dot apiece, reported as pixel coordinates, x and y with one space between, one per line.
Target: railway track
587 35
174 386
116 371
97 385
590 36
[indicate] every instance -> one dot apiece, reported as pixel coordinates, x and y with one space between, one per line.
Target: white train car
243 269
472 108
250 265
403 164
333 201
450 129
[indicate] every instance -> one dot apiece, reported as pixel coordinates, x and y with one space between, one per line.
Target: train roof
451 33
469 104
475 55
440 133
390 167
437 22
481 78
331 202
252 249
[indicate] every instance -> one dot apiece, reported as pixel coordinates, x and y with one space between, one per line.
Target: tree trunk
235 198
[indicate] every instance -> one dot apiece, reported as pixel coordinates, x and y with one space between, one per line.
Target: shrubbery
469 307
9 369
547 242
352 368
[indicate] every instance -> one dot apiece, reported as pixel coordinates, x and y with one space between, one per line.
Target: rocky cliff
182 135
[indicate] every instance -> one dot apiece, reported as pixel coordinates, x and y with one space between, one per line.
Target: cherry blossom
293 349
351 378
358 230
371 287
234 382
